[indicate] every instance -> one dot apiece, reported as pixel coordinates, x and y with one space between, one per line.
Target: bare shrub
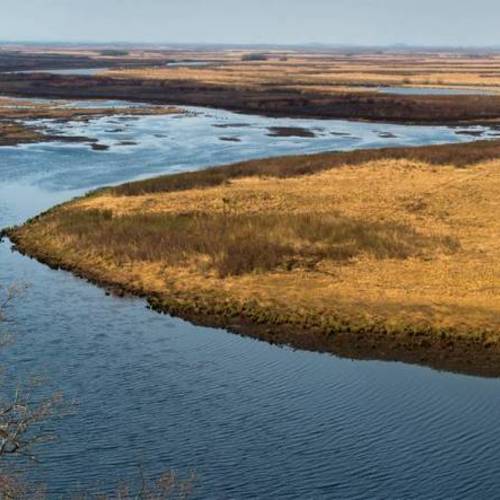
21 416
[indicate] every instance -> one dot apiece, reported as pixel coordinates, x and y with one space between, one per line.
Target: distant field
353 86
332 73
320 71
389 253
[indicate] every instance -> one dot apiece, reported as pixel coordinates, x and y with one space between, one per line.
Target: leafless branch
20 419
20 416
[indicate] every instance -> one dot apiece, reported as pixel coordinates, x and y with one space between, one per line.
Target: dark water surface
253 420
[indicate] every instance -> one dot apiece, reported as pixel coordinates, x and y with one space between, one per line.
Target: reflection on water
254 420
435 91
67 71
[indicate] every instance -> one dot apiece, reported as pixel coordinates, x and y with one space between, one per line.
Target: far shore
347 104
390 254
366 85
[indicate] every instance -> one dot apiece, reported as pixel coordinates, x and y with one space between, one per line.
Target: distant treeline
254 56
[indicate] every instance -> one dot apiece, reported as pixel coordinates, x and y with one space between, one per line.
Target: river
253 420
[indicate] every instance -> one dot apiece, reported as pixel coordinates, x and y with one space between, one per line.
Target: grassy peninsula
387 254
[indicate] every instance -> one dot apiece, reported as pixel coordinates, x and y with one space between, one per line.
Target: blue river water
436 91
252 420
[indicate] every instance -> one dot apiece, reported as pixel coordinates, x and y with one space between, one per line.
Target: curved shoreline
435 349
459 355
471 352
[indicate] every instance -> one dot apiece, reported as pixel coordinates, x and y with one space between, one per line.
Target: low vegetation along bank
388 254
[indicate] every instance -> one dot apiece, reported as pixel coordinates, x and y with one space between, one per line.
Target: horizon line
396 45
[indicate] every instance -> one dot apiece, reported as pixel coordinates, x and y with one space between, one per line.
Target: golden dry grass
447 217
333 73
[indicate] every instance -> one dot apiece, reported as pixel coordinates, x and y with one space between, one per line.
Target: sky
332 22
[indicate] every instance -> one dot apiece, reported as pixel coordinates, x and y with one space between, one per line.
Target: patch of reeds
236 244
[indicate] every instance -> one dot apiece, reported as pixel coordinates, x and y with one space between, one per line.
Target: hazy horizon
427 23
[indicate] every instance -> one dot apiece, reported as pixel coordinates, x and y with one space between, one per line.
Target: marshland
285 83
335 209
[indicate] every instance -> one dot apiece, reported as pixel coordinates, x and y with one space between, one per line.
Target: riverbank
383 254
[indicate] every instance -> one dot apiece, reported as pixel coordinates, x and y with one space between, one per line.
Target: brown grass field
326 73
391 254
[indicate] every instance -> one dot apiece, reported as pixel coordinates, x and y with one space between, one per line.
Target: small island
376 254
